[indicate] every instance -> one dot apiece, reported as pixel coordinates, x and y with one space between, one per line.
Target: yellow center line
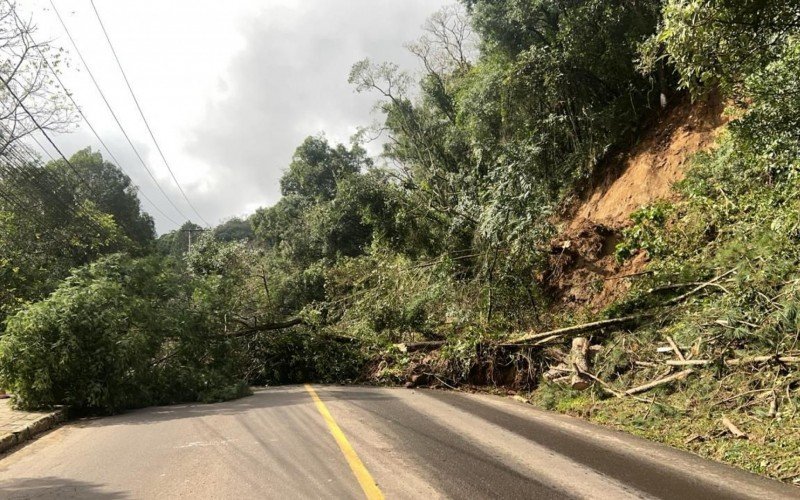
356 465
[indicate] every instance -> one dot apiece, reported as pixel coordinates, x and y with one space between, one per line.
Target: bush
645 233
305 356
117 334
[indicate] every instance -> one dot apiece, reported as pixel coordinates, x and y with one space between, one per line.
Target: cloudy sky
229 88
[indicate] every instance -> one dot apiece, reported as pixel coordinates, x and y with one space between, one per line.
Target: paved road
352 442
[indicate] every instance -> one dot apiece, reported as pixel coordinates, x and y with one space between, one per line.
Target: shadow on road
263 399
53 487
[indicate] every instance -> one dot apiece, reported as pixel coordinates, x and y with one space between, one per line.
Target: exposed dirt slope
584 271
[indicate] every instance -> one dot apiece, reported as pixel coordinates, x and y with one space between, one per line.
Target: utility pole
190 231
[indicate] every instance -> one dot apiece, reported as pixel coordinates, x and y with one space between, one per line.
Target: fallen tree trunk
736 361
281 325
655 383
266 327
420 346
577 329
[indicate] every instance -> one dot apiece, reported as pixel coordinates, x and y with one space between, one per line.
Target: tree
311 221
317 167
47 228
234 229
30 97
720 42
120 333
176 243
111 190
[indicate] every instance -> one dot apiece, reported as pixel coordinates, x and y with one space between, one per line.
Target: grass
691 420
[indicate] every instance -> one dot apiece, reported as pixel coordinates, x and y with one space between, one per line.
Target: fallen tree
429 345
575 330
736 361
266 327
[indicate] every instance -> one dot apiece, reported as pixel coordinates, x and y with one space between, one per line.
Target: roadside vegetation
433 264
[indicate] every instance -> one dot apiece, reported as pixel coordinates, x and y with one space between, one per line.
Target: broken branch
267 327
736 361
576 329
712 282
675 348
420 346
650 385
579 355
737 433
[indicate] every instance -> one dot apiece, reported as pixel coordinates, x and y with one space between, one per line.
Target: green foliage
492 143
112 192
330 207
176 243
245 286
566 87
234 229
448 240
721 42
383 295
304 356
117 334
317 168
739 210
646 232
50 223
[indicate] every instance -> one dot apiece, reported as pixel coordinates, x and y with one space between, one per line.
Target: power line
23 176
113 114
24 156
53 144
36 124
141 113
13 200
21 172
103 144
52 158
18 176
27 212
100 140
46 182
88 123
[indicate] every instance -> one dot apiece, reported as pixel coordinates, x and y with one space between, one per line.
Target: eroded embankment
716 394
584 271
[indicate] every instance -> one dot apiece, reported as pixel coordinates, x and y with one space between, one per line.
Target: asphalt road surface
361 442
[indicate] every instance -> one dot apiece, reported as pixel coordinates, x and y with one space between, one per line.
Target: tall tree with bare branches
30 97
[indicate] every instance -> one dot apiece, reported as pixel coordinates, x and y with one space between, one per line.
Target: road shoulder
17 426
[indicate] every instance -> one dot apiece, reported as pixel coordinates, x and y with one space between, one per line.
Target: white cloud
230 88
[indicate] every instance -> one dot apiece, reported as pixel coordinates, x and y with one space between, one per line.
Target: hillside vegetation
553 164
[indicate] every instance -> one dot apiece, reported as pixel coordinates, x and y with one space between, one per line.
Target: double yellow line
365 479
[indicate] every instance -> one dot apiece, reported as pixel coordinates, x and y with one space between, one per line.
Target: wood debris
737 433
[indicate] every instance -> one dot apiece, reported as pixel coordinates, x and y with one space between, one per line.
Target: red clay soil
584 271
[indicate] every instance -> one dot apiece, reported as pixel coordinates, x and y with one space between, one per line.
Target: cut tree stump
579 356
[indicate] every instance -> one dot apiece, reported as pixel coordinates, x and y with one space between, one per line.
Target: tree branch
267 327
